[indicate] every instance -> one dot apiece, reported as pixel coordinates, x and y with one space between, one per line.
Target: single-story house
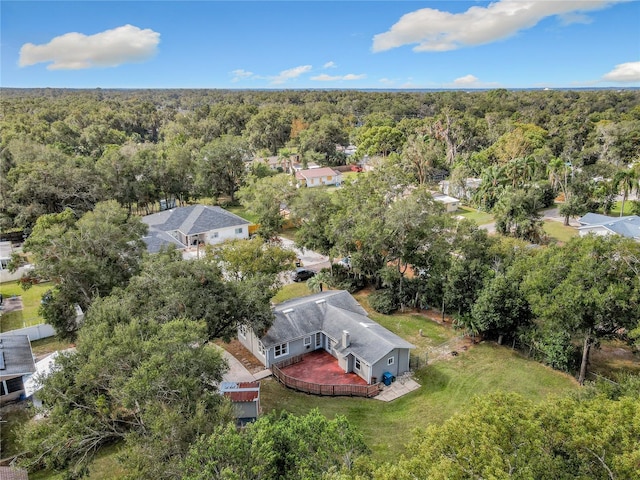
315 177
450 204
184 227
627 226
245 397
16 362
334 321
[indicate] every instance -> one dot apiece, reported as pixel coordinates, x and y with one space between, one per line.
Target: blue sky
322 44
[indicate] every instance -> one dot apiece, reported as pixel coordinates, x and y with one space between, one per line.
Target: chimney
346 341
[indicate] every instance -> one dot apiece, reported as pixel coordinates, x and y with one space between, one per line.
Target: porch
319 373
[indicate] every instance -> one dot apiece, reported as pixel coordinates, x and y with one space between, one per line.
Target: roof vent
322 300
288 310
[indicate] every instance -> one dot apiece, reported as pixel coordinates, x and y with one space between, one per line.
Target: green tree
244 259
85 259
266 197
584 290
627 182
222 166
284 447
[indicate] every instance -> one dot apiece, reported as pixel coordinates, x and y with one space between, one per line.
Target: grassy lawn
481 218
104 466
242 212
46 346
615 211
447 387
559 231
292 290
30 302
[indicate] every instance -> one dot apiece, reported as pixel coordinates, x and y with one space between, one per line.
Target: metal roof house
245 397
16 362
334 321
184 227
627 226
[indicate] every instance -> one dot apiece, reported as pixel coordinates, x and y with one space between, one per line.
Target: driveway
310 259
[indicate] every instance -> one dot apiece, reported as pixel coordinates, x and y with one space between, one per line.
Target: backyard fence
320 389
35 332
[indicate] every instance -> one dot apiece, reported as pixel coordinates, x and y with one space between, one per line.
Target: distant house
245 397
197 224
278 163
333 321
315 177
464 191
627 226
16 362
450 204
13 473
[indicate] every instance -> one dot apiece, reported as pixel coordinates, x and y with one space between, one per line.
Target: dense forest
78 167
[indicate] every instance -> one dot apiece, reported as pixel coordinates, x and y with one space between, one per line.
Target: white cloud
624 72
285 75
329 65
387 81
240 74
336 78
74 51
470 81
435 30
466 80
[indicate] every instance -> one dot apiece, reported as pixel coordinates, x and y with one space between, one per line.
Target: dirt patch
12 304
244 356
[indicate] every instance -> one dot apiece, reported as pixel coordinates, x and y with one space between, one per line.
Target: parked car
356 168
302 274
345 262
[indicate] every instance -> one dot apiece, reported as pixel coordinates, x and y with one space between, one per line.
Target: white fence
35 332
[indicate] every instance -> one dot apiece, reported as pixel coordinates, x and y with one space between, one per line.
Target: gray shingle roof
190 220
627 226
18 358
332 312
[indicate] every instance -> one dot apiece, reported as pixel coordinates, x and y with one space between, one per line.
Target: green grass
559 231
481 218
243 213
46 346
446 388
292 290
105 466
615 211
30 301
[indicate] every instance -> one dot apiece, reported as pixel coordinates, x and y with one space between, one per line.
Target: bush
383 301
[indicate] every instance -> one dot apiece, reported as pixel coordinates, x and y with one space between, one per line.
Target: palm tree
627 182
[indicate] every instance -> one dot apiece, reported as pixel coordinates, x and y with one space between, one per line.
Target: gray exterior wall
400 364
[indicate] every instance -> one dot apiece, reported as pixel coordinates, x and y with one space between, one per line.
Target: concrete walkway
397 389
238 373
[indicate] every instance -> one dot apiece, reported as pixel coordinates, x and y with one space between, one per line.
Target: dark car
302 274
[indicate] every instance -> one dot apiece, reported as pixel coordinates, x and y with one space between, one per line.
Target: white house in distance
184 227
450 204
335 322
316 177
627 226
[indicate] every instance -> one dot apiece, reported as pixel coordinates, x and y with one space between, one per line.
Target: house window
238 231
280 350
242 331
214 235
329 178
318 339
261 348
357 365
307 341
390 361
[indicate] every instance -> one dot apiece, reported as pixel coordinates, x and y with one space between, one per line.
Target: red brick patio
321 368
